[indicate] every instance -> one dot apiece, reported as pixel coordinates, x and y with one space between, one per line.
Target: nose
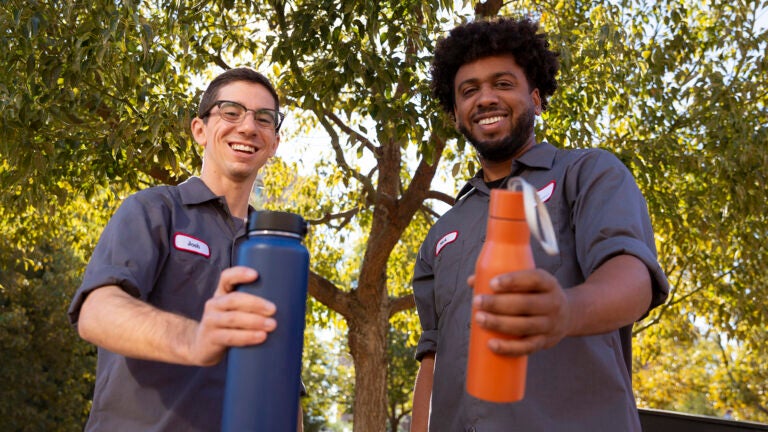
248 125
486 96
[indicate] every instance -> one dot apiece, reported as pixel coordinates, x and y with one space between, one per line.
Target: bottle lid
269 220
506 204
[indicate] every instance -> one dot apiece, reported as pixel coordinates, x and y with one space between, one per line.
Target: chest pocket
453 265
187 280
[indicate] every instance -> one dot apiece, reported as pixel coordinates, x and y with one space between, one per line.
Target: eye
468 91
230 111
265 118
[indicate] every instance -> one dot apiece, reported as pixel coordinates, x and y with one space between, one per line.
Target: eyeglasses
234 112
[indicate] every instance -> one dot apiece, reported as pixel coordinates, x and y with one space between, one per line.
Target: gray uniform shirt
167 246
582 383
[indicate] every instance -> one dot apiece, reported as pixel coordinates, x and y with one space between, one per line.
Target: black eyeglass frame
279 117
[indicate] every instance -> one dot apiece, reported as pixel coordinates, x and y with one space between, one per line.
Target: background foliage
96 98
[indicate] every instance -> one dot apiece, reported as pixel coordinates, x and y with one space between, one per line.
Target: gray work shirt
582 383
167 246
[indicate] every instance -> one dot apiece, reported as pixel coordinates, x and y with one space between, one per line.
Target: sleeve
129 253
610 218
423 291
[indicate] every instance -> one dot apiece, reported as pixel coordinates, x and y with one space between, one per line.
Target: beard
505 148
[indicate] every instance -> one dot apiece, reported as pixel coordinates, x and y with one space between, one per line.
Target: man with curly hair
572 315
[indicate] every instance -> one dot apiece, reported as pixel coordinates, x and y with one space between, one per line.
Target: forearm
112 319
422 394
617 294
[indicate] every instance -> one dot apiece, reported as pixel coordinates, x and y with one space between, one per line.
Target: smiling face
495 109
235 152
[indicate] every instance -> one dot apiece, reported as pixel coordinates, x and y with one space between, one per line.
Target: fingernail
480 317
494 284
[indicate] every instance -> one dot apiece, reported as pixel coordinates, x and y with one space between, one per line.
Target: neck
494 170
235 193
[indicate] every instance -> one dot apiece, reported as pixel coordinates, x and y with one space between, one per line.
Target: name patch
446 240
188 243
545 193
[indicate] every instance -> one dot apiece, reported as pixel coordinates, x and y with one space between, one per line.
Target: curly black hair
478 39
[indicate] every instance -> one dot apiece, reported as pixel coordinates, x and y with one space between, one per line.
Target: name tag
446 240
545 193
188 243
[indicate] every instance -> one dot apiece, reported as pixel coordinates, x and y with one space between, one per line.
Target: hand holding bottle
529 306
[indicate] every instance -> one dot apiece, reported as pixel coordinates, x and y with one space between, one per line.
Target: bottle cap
506 204
269 220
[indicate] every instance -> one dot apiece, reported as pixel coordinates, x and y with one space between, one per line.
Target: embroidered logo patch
545 193
446 240
188 243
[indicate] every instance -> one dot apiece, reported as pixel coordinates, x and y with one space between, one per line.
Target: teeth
243 147
489 120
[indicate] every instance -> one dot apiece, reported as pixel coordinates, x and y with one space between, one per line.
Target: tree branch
488 8
349 131
341 160
400 304
328 294
418 190
346 215
430 212
440 196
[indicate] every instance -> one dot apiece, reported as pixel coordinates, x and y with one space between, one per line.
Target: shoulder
155 194
594 157
153 198
581 166
153 202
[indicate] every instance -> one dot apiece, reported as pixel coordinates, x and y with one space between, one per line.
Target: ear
276 145
454 118
198 127
536 98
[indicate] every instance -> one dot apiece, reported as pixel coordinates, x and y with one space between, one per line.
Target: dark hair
229 76
478 39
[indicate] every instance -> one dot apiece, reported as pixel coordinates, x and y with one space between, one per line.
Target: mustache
482 111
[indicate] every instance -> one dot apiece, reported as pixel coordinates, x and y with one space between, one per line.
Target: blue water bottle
264 381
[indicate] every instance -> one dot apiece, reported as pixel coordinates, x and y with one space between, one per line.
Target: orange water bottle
507 248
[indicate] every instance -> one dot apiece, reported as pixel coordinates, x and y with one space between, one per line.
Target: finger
533 280
234 276
513 326
237 337
235 319
242 302
516 347
512 303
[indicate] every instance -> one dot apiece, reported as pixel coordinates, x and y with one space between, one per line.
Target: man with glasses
157 296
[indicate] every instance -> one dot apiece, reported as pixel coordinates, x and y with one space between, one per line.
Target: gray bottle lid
270 220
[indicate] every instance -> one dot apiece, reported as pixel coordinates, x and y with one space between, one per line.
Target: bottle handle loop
541 226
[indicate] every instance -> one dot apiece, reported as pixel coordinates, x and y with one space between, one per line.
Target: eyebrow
495 76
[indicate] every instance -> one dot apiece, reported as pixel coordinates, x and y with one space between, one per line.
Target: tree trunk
368 346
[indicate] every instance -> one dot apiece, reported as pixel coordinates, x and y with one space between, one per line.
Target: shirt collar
540 156
194 191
